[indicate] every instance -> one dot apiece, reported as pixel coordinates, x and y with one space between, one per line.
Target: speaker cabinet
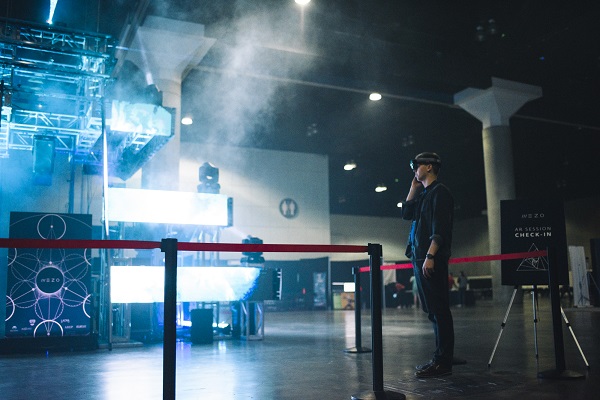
202 326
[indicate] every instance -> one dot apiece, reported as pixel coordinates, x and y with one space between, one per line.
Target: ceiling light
399 205
302 2
350 165
381 188
187 120
375 96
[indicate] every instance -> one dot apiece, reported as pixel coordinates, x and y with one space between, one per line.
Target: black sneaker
421 367
434 370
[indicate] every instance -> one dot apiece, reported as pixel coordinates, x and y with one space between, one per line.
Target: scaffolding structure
52 84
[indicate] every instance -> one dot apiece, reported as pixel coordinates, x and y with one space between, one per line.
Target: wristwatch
429 256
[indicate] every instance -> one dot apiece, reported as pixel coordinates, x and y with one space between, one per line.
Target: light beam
52 8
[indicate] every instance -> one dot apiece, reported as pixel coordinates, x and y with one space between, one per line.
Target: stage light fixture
252 257
208 175
223 328
350 165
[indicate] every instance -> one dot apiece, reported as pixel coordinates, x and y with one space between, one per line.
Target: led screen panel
145 284
168 207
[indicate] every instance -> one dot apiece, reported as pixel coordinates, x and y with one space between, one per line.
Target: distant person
451 282
415 291
463 283
399 295
430 206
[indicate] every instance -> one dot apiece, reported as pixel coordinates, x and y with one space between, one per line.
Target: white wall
258 180
391 233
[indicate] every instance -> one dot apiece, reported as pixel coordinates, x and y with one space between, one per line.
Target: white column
165 50
494 107
162 171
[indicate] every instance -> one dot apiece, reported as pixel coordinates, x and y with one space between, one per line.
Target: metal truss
43 45
53 84
3 140
73 134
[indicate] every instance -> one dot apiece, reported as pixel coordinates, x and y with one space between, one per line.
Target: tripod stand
535 320
574 338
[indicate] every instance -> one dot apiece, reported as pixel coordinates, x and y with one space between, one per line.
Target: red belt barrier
235 247
460 260
272 248
77 244
183 246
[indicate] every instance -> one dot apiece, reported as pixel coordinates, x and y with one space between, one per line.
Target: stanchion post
559 350
169 247
375 255
357 318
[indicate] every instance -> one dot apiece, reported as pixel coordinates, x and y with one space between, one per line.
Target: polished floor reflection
302 357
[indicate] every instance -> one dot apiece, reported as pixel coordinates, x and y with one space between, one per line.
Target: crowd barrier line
181 246
461 260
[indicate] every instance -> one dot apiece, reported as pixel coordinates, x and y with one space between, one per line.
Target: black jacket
432 213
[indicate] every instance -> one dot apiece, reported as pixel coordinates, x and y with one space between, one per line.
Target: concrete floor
302 357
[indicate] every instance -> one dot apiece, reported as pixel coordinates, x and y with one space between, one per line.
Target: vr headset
415 162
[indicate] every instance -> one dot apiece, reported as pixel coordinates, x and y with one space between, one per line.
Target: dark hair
429 158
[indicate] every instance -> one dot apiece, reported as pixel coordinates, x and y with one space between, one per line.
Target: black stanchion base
560 375
385 395
358 350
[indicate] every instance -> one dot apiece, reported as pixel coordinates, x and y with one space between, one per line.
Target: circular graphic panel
51 226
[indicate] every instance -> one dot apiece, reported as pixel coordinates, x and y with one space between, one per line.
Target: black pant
435 300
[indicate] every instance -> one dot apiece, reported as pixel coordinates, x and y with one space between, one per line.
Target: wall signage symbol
288 208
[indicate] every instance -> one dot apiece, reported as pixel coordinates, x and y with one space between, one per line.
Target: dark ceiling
285 78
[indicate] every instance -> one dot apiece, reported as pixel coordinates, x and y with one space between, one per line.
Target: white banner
581 293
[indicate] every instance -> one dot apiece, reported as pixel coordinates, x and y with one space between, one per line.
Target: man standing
430 206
